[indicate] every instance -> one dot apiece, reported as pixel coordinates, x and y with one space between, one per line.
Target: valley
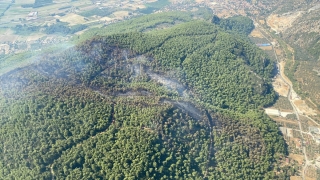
300 109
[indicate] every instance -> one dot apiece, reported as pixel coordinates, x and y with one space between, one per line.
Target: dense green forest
177 103
238 24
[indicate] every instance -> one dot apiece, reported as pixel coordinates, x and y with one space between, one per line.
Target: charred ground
179 103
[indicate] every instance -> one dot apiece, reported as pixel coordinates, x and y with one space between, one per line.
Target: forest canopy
175 103
240 24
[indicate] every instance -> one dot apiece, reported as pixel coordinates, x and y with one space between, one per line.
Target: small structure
4 49
273 112
264 45
32 15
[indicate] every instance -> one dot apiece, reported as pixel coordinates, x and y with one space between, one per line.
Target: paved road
307 162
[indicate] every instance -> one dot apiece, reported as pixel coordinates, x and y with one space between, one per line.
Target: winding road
289 96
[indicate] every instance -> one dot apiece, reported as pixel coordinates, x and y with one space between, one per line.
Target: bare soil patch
35 37
266 48
280 119
226 13
256 33
24 1
280 23
295 178
311 102
10 38
309 178
297 157
304 108
73 19
278 52
120 14
280 87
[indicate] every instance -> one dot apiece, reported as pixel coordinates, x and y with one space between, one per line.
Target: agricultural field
4 5
23 25
259 37
308 81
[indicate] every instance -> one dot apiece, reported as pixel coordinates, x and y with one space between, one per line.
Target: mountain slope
179 103
295 25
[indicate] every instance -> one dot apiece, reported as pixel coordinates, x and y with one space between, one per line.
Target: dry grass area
266 48
280 23
280 87
73 19
282 65
309 82
304 108
311 173
120 14
311 123
24 1
295 178
278 51
284 120
256 33
297 157
308 99
134 6
8 38
309 178
226 13
242 12
35 37
297 143
107 19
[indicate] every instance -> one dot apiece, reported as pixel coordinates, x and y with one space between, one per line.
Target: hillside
295 25
183 102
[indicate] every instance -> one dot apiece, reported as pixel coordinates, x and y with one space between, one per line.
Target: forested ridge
177 103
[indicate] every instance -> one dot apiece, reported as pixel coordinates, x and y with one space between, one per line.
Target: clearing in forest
73 19
297 157
280 86
256 33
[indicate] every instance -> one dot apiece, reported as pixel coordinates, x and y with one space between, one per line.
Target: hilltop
180 102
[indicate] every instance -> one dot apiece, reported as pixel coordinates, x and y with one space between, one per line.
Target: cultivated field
309 81
73 19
